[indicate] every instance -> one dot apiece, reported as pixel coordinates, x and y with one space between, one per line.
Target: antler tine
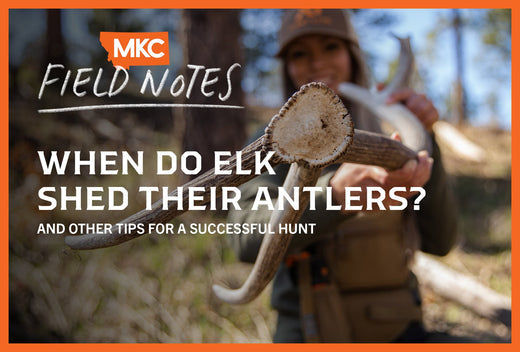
409 127
158 215
364 148
312 130
404 70
274 246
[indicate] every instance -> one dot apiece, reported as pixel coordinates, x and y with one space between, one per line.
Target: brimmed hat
295 23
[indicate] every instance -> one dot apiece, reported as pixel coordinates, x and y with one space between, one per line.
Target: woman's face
318 58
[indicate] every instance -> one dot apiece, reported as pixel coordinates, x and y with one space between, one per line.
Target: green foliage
496 31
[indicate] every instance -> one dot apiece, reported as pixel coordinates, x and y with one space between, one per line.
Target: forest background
157 289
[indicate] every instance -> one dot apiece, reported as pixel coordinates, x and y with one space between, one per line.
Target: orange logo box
127 49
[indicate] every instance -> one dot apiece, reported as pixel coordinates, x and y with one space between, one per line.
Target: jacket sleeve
437 217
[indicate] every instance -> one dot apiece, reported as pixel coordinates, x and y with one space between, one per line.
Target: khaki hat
295 23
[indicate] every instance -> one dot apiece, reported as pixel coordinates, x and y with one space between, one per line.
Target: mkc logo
136 48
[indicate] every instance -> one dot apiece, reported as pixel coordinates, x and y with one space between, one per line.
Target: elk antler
274 245
303 142
312 130
157 215
290 138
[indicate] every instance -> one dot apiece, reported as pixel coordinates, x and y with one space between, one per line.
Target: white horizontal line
126 106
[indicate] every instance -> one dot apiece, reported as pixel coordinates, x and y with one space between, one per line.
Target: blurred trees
206 43
495 34
459 92
55 43
261 81
495 26
490 30
42 275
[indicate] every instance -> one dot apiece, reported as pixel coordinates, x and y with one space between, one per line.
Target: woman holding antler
350 280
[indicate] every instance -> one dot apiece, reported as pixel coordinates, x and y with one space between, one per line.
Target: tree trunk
55 52
462 289
55 45
459 97
211 38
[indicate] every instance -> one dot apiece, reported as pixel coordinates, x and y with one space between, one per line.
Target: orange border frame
4 157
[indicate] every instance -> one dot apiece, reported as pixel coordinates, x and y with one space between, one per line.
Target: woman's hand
418 104
415 173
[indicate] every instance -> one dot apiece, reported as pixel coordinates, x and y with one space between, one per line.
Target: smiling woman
319 58
353 282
